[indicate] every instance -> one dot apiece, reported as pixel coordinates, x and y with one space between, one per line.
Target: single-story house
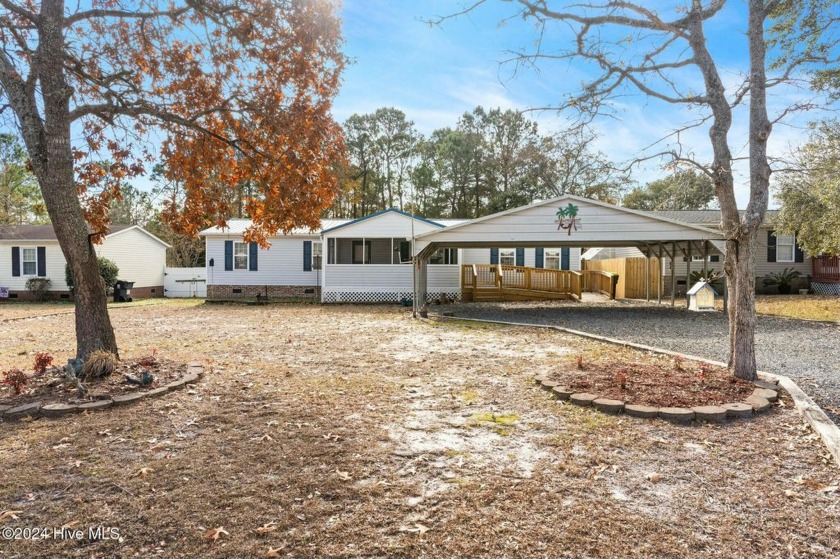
361 260
774 252
33 251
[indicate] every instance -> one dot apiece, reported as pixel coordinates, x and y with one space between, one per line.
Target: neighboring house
33 251
773 253
361 260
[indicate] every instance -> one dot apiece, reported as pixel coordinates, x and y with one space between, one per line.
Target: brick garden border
758 402
39 409
811 412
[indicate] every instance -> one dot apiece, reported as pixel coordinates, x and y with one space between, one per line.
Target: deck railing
478 276
598 281
826 269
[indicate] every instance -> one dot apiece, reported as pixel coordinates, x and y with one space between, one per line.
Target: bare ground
358 432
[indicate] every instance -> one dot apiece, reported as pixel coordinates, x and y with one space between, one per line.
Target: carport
571 221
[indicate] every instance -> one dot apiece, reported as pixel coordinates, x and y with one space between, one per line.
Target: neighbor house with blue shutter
32 251
363 260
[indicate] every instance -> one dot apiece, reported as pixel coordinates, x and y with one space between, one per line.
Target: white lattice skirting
825 288
383 296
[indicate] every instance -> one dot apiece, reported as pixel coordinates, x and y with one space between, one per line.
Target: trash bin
122 291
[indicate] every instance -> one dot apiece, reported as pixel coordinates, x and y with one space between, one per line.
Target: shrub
99 364
42 361
15 378
149 360
782 280
107 270
39 288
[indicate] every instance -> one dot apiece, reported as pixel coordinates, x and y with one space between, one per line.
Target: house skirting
147 292
822 288
269 291
386 296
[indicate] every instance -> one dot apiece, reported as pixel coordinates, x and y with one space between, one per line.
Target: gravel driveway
808 352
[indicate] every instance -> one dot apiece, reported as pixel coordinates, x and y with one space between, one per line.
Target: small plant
149 360
99 364
579 362
705 370
42 361
621 378
678 363
107 270
39 288
16 379
782 280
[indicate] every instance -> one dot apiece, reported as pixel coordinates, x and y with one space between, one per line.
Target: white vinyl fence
185 282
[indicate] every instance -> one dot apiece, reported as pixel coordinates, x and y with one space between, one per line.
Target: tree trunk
53 166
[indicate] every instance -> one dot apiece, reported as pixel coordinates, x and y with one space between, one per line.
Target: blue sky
436 73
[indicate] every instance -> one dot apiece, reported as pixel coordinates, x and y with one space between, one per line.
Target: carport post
647 273
673 271
659 279
687 272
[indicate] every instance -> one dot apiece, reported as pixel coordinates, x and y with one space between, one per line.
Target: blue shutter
520 256
42 262
252 257
228 256
494 256
15 261
798 253
771 246
307 256
539 257
564 258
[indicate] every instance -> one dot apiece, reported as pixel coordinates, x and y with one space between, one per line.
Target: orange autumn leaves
239 92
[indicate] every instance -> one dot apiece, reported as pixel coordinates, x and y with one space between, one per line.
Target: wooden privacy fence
631 275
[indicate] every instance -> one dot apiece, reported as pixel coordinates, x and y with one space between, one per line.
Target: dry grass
809 307
358 432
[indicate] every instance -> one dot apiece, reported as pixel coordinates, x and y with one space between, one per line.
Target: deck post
647 273
687 272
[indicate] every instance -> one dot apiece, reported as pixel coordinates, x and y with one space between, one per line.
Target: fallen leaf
142 472
215 533
266 528
275 552
344 476
70 524
830 489
417 529
105 433
10 514
653 477
159 446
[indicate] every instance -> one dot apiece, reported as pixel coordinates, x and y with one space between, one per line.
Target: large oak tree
233 91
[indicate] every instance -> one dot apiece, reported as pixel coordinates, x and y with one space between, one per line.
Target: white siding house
28 251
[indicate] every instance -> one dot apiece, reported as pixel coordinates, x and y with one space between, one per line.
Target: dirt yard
357 432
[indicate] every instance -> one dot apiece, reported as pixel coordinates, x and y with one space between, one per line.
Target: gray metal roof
40 232
703 217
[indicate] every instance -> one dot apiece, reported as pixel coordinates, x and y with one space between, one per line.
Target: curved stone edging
756 403
38 409
811 412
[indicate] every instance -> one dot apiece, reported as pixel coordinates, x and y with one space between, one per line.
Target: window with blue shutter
539 257
228 256
520 256
564 258
307 256
494 256
252 257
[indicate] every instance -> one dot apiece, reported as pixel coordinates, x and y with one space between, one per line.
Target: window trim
235 255
547 256
791 244
320 256
512 255
24 261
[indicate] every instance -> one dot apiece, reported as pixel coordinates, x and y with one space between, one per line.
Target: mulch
51 386
657 382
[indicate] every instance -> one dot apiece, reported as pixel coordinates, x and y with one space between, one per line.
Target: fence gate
631 275
185 282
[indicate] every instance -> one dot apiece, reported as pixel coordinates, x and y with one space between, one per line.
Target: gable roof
380 213
238 227
47 233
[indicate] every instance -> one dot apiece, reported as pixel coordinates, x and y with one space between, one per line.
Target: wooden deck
826 269
494 282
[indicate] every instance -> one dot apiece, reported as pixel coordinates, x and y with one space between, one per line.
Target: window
785 251
317 255
240 256
551 258
444 256
507 256
29 261
361 252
